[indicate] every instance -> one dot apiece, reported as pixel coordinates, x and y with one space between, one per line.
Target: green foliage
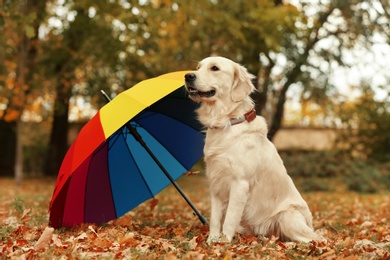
313 184
366 177
34 147
364 150
367 125
18 205
34 158
5 230
318 164
327 170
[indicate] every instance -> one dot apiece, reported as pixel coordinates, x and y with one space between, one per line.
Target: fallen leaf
366 224
93 230
194 256
82 236
227 257
170 257
351 257
102 242
123 221
45 239
153 203
26 215
192 173
193 244
127 240
329 255
167 246
11 221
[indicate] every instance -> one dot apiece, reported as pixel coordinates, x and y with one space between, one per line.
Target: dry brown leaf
45 239
82 236
193 244
351 257
93 231
153 203
25 215
123 221
329 255
194 256
192 173
170 257
102 242
167 246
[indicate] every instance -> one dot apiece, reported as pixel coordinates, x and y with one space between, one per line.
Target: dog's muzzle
192 90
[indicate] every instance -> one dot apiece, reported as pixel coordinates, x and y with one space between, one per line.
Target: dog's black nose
190 77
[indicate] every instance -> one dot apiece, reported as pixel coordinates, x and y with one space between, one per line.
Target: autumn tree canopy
54 52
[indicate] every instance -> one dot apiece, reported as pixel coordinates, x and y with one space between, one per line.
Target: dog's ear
242 85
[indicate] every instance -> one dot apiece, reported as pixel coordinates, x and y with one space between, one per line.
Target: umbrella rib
109 179
167 114
135 162
157 140
85 191
140 125
138 137
123 133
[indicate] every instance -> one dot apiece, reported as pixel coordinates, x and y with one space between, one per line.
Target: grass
355 225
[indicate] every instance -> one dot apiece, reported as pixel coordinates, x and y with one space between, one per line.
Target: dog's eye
214 68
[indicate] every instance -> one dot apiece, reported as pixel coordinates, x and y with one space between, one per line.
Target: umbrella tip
105 95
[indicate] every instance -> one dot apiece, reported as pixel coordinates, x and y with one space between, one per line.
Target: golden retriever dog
250 190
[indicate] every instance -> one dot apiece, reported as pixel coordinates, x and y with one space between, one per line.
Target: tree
284 45
115 44
83 50
366 126
20 22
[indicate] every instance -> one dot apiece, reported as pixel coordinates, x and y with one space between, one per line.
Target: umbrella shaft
138 137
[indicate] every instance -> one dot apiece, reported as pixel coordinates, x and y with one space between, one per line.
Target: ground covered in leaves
356 226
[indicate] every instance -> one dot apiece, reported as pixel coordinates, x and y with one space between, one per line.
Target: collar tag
249 117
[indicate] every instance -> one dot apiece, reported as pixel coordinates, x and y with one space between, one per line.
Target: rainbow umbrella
135 146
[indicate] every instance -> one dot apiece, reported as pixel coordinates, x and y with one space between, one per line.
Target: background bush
333 170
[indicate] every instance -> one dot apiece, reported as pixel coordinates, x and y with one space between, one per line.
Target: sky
371 66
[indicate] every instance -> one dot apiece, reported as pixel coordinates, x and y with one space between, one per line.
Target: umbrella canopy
107 171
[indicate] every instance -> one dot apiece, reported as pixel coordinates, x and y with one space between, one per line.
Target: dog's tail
295 227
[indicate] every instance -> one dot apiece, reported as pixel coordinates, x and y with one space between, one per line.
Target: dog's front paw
221 238
213 239
225 239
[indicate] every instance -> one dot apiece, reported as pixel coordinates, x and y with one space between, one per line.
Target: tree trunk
292 76
73 41
263 84
279 112
19 106
27 52
7 147
19 154
58 143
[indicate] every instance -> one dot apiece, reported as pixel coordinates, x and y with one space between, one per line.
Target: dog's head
218 78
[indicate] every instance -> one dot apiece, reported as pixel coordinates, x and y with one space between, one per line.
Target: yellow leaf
11 115
30 32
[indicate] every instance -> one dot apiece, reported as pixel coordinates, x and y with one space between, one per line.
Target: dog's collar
248 116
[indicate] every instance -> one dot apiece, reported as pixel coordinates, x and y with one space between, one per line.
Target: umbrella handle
138 137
